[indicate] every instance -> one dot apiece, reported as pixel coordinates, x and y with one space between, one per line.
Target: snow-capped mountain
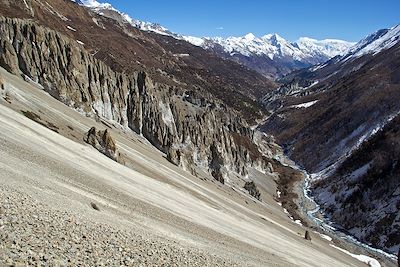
375 43
327 48
271 45
274 46
108 10
270 55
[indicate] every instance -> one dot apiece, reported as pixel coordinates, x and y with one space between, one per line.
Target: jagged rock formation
252 189
192 130
103 142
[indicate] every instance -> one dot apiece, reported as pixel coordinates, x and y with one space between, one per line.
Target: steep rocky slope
366 186
64 203
322 114
335 106
195 132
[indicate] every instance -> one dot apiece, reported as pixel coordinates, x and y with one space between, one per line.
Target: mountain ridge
276 55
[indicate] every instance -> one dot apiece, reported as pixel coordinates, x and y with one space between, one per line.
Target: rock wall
192 129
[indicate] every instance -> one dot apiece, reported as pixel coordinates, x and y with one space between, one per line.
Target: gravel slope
152 213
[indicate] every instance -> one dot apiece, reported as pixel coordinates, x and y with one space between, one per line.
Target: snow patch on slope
305 105
367 260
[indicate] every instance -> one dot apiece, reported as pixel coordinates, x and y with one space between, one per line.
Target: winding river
311 210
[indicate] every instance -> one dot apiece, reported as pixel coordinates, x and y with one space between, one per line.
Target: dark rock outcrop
103 142
307 235
1 82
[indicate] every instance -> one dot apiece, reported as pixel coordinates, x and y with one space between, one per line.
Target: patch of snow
287 213
71 29
80 42
278 193
298 222
304 105
326 237
194 40
317 67
366 259
182 55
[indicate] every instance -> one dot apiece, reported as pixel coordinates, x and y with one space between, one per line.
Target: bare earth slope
153 213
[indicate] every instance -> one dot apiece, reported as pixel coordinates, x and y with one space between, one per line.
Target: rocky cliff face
192 130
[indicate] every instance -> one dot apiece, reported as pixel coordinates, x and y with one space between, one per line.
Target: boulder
103 142
252 189
307 235
1 82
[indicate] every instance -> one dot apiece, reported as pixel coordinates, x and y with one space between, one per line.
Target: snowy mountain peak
250 37
328 47
376 42
274 38
93 4
274 46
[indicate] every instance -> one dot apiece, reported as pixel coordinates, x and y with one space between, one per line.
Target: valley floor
152 213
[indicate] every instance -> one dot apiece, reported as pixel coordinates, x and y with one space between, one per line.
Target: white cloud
219 28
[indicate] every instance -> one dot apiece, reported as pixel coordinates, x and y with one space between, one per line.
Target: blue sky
340 19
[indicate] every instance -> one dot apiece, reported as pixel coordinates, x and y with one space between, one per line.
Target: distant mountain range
270 55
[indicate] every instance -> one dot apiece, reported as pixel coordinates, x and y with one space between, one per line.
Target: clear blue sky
341 19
